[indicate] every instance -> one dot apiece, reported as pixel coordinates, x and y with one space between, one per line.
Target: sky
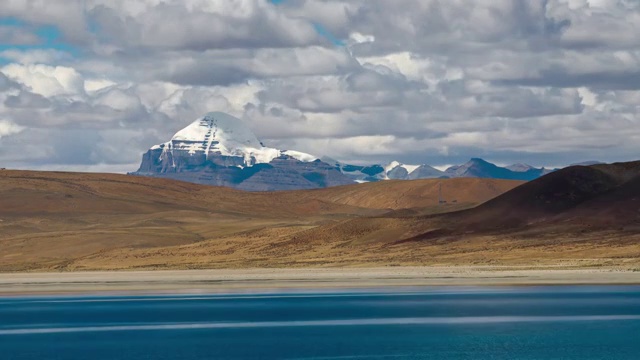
91 85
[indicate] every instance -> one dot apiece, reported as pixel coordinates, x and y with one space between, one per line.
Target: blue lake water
574 322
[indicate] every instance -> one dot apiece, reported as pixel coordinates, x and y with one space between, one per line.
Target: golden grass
53 221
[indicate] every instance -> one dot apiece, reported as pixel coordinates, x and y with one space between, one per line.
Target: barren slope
585 198
580 216
54 220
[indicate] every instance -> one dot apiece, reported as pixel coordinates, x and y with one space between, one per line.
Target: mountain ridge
219 149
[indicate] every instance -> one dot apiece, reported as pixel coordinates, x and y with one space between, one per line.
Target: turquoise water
575 322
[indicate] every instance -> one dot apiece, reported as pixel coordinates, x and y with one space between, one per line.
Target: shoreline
279 279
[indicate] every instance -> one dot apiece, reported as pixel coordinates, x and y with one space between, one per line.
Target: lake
558 322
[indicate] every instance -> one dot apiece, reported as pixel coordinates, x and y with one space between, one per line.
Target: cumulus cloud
225 67
9 128
46 80
34 56
425 81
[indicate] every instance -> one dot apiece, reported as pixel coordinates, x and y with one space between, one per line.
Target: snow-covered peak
410 168
394 164
304 157
219 127
218 133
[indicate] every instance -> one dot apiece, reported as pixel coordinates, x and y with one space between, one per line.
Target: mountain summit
217 133
219 149
219 136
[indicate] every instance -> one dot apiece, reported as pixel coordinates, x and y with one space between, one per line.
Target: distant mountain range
475 168
219 149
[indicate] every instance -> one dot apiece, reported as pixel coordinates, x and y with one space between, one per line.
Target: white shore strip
225 280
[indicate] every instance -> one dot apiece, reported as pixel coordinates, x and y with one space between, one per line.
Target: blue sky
49 37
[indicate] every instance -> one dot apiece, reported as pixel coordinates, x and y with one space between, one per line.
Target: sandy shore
203 281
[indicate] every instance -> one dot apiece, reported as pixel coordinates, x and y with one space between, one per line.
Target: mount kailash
219 149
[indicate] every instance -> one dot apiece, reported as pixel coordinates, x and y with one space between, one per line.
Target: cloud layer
90 85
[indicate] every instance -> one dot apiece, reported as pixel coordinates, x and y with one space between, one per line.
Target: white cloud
8 128
34 56
93 85
417 80
46 80
358 38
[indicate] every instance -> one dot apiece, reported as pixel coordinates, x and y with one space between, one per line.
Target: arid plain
83 222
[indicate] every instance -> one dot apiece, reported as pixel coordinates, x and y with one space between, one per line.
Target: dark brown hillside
618 208
594 196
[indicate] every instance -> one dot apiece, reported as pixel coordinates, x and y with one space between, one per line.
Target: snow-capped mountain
221 135
219 149
398 171
392 171
358 173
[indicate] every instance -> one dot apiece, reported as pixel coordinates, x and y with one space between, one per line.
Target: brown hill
593 197
55 220
579 215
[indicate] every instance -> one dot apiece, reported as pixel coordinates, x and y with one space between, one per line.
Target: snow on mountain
392 165
299 155
362 173
425 172
410 168
399 171
395 164
392 171
219 149
218 133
